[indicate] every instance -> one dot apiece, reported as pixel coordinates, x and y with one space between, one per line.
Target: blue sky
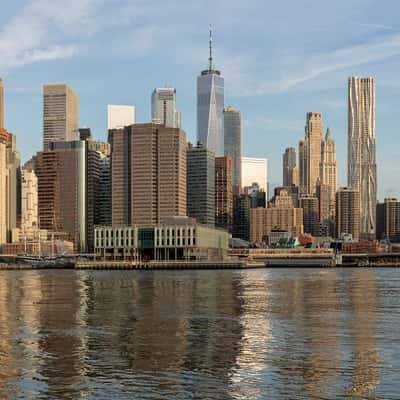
279 59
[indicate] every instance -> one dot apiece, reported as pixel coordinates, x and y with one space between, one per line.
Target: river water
257 334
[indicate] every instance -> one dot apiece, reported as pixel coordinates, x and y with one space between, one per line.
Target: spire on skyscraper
210 59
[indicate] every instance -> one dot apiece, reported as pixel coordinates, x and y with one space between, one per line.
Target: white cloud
35 33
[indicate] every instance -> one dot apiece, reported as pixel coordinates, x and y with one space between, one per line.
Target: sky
279 59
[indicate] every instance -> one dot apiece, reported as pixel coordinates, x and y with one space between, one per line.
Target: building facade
201 184
60 114
119 116
362 171
13 185
29 200
3 185
289 166
148 174
163 108
233 144
67 180
388 220
311 222
210 105
347 213
224 193
255 170
280 215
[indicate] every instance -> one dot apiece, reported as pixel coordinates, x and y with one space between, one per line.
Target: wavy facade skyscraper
362 174
210 105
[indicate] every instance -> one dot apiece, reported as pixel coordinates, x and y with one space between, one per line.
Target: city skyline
280 88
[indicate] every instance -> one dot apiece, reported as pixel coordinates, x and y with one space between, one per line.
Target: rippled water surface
260 334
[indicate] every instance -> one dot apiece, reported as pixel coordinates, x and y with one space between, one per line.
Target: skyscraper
163 108
311 157
201 184
148 167
310 207
289 167
362 174
347 213
327 183
210 105
13 185
3 185
119 116
255 170
1 104
66 172
388 220
29 200
60 114
233 144
224 193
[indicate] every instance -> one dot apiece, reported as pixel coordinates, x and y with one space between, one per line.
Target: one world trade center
210 106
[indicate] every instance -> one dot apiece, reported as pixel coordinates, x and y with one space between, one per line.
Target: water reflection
183 335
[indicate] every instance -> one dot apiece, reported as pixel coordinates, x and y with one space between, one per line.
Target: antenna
210 43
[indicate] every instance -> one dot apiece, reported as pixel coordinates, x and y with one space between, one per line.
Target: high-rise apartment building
3 185
210 105
13 185
119 116
347 213
255 170
29 201
233 144
201 184
60 114
303 167
362 174
148 167
103 201
290 170
163 108
388 220
224 193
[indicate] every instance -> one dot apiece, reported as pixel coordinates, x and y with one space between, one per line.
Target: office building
148 173
310 153
388 220
3 185
119 116
103 201
280 215
310 206
201 184
347 213
257 195
210 105
327 183
67 182
163 108
60 114
241 217
224 193
362 173
255 170
233 144
290 169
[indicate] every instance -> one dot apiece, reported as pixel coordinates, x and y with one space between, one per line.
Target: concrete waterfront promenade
260 260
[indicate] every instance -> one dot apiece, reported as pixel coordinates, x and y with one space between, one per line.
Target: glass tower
210 105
